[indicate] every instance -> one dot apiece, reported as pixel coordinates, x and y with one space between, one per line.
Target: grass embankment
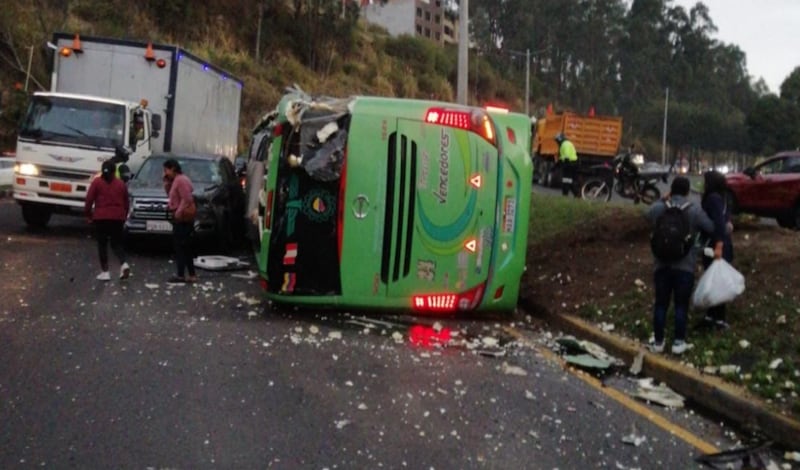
760 351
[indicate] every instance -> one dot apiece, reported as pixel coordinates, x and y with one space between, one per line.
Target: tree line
623 60
617 56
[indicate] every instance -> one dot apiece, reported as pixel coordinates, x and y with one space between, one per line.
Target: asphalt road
136 374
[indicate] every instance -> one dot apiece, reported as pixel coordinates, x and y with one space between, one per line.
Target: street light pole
463 48
664 135
527 55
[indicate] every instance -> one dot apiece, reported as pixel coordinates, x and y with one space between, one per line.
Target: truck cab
62 141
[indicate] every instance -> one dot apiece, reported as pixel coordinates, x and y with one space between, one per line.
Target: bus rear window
303 246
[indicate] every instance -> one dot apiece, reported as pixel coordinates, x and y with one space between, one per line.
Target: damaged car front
217 193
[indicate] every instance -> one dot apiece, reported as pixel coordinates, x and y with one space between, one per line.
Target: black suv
217 192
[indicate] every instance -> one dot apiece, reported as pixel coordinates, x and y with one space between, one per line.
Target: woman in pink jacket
181 203
107 207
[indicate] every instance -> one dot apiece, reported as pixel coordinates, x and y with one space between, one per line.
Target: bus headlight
26 169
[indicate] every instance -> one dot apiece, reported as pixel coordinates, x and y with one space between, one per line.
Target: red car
769 189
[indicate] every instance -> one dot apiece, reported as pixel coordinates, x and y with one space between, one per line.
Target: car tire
35 216
792 220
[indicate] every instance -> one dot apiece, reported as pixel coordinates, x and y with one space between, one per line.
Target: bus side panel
363 204
513 213
441 237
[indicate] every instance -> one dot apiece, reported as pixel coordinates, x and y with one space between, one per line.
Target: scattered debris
744 344
341 424
248 275
729 369
586 354
775 363
588 361
634 439
660 394
513 370
606 326
636 366
755 457
793 456
219 263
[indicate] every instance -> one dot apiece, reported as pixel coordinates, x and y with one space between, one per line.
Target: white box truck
111 94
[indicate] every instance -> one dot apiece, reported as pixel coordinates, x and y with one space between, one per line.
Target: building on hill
436 20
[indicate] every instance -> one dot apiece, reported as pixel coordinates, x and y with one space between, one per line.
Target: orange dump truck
596 139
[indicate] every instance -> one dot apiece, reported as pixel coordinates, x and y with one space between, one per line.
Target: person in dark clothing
106 206
675 279
179 189
719 239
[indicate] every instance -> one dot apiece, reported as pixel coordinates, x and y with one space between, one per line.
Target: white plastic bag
720 284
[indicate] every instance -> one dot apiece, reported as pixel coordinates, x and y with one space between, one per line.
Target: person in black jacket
715 205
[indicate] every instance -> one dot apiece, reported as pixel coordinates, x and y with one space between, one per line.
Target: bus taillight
476 121
443 303
435 302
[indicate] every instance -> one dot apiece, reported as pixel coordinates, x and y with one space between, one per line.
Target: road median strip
731 402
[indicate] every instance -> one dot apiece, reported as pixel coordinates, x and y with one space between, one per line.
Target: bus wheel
36 216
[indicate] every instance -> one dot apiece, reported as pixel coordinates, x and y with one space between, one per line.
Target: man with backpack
676 221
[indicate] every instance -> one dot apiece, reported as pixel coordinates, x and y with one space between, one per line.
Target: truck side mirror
155 124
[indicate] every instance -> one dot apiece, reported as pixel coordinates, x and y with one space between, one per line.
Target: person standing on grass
181 203
567 158
674 278
719 239
106 206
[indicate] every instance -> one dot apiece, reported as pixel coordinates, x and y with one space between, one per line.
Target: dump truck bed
591 135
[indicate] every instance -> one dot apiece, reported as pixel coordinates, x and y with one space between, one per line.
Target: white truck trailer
110 94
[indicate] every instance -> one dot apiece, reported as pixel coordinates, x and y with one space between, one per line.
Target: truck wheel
553 176
36 216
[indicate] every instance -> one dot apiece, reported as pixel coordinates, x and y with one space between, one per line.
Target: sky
766 30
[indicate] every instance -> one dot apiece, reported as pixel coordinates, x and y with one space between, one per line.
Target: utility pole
527 81
258 30
463 48
28 75
664 135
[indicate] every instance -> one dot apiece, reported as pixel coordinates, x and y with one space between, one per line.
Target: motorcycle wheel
596 190
649 194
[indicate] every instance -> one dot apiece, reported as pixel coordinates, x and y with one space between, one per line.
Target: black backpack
672 237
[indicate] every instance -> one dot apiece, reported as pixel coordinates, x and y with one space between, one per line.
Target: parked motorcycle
624 177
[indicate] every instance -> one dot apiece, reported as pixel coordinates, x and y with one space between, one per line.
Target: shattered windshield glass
74 121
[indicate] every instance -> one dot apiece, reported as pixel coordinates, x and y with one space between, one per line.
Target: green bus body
394 203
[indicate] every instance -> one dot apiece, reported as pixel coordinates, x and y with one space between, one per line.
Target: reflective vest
566 152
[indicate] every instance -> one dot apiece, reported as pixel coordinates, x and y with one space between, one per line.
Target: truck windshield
74 121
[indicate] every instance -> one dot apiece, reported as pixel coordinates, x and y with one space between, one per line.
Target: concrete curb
727 400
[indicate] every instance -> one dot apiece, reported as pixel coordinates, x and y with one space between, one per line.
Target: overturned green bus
390 203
